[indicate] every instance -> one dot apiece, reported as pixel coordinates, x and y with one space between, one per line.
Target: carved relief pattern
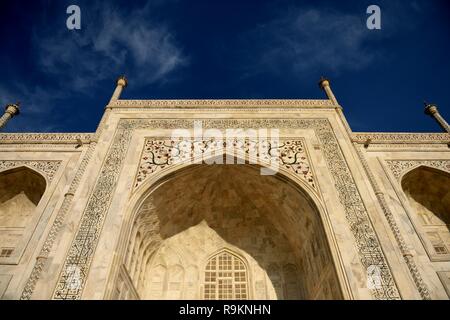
83 247
407 256
159 154
224 103
48 168
51 237
362 137
44 137
67 202
398 167
81 252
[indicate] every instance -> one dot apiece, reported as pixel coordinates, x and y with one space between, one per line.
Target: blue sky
174 49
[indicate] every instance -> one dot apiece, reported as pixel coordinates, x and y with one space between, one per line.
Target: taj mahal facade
225 199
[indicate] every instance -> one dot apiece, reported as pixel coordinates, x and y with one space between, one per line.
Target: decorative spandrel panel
47 168
291 154
400 167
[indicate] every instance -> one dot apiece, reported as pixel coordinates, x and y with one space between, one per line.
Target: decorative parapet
49 138
395 138
227 103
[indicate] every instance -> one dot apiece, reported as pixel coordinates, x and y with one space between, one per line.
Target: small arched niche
21 189
227 232
428 192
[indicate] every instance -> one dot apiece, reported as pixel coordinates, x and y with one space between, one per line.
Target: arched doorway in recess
226 232
428 193
21 189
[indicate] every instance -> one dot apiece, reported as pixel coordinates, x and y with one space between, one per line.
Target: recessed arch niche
428 193
267 229
21 189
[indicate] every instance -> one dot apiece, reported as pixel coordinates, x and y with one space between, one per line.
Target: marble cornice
224 103
45 138
400 137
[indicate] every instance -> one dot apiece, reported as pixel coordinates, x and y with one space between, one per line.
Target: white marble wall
116 218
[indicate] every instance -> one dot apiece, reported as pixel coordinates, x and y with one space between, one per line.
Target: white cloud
110 42
313 40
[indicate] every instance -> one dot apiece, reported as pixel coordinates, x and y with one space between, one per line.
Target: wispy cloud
307 40
111 41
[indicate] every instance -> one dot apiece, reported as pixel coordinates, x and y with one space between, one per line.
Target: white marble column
324 84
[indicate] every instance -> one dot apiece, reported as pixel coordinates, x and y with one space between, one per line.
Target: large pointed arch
21 190
428 192
22 178
159 188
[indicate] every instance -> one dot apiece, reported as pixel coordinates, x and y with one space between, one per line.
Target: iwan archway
226 232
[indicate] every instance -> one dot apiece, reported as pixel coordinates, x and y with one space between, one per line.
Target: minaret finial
11 110
324 84
431 109
121 83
